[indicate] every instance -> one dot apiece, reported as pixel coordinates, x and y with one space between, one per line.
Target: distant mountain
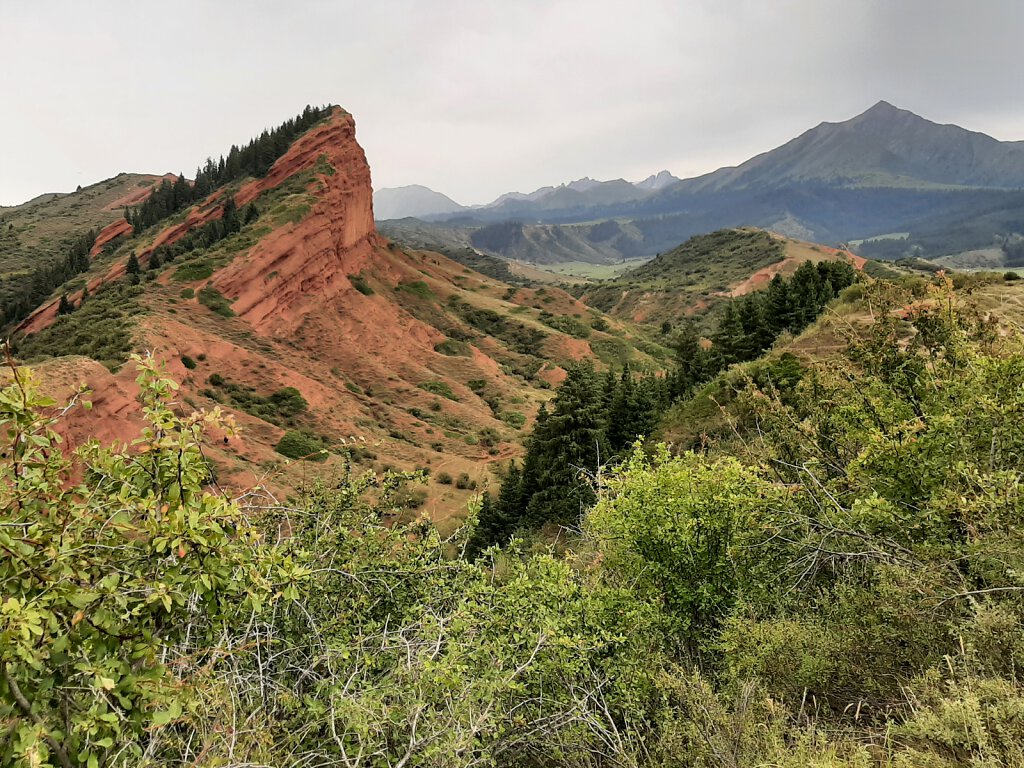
413 200
575 196
656 181
882 147
884 171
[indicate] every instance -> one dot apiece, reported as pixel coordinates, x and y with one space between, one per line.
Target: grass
591 271
101 329
214 300
416 288
438 388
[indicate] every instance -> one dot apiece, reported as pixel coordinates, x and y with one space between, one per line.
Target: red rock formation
302 266
110 232
345 209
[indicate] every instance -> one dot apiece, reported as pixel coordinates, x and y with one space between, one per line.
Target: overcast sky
479 97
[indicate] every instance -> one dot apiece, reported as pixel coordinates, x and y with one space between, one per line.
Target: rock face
299 267
110 232
307 257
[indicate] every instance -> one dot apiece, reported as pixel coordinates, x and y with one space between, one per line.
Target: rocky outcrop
299 267
109 233
311 253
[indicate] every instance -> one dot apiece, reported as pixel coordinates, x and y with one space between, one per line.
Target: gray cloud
479 97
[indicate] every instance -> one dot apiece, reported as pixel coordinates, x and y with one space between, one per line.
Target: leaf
162 718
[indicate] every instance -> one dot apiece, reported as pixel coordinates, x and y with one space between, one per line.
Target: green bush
438 388
360 284
193 271
301 445
188 362
417 288
514 419
453 348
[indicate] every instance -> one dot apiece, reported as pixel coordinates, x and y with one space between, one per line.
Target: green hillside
843 592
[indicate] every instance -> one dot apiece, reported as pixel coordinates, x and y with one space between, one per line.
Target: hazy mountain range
887 170
422 202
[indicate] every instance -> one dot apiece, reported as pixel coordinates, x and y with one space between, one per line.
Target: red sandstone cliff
339 229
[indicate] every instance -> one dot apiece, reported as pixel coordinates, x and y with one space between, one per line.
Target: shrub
443 478
195 270
438 388
214 300
417 288
453 348
465 482
360 284
188 362
514 419
296 444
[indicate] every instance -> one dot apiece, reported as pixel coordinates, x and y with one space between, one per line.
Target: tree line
593 418
252 159
750 325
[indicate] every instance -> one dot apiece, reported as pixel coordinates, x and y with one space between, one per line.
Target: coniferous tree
623 418
778 305
65 307
574 445
728 339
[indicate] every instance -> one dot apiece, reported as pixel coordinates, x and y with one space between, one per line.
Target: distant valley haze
478 99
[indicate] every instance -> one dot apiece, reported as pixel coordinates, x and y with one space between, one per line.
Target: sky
475 98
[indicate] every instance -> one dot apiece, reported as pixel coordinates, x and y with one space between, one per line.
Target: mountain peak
656 181
883 111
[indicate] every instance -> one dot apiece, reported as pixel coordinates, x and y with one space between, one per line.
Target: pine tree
132 267
574 445
778 306
65 307
623 422
757 336
729 338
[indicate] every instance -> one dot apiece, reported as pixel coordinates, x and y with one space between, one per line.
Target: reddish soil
797 253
